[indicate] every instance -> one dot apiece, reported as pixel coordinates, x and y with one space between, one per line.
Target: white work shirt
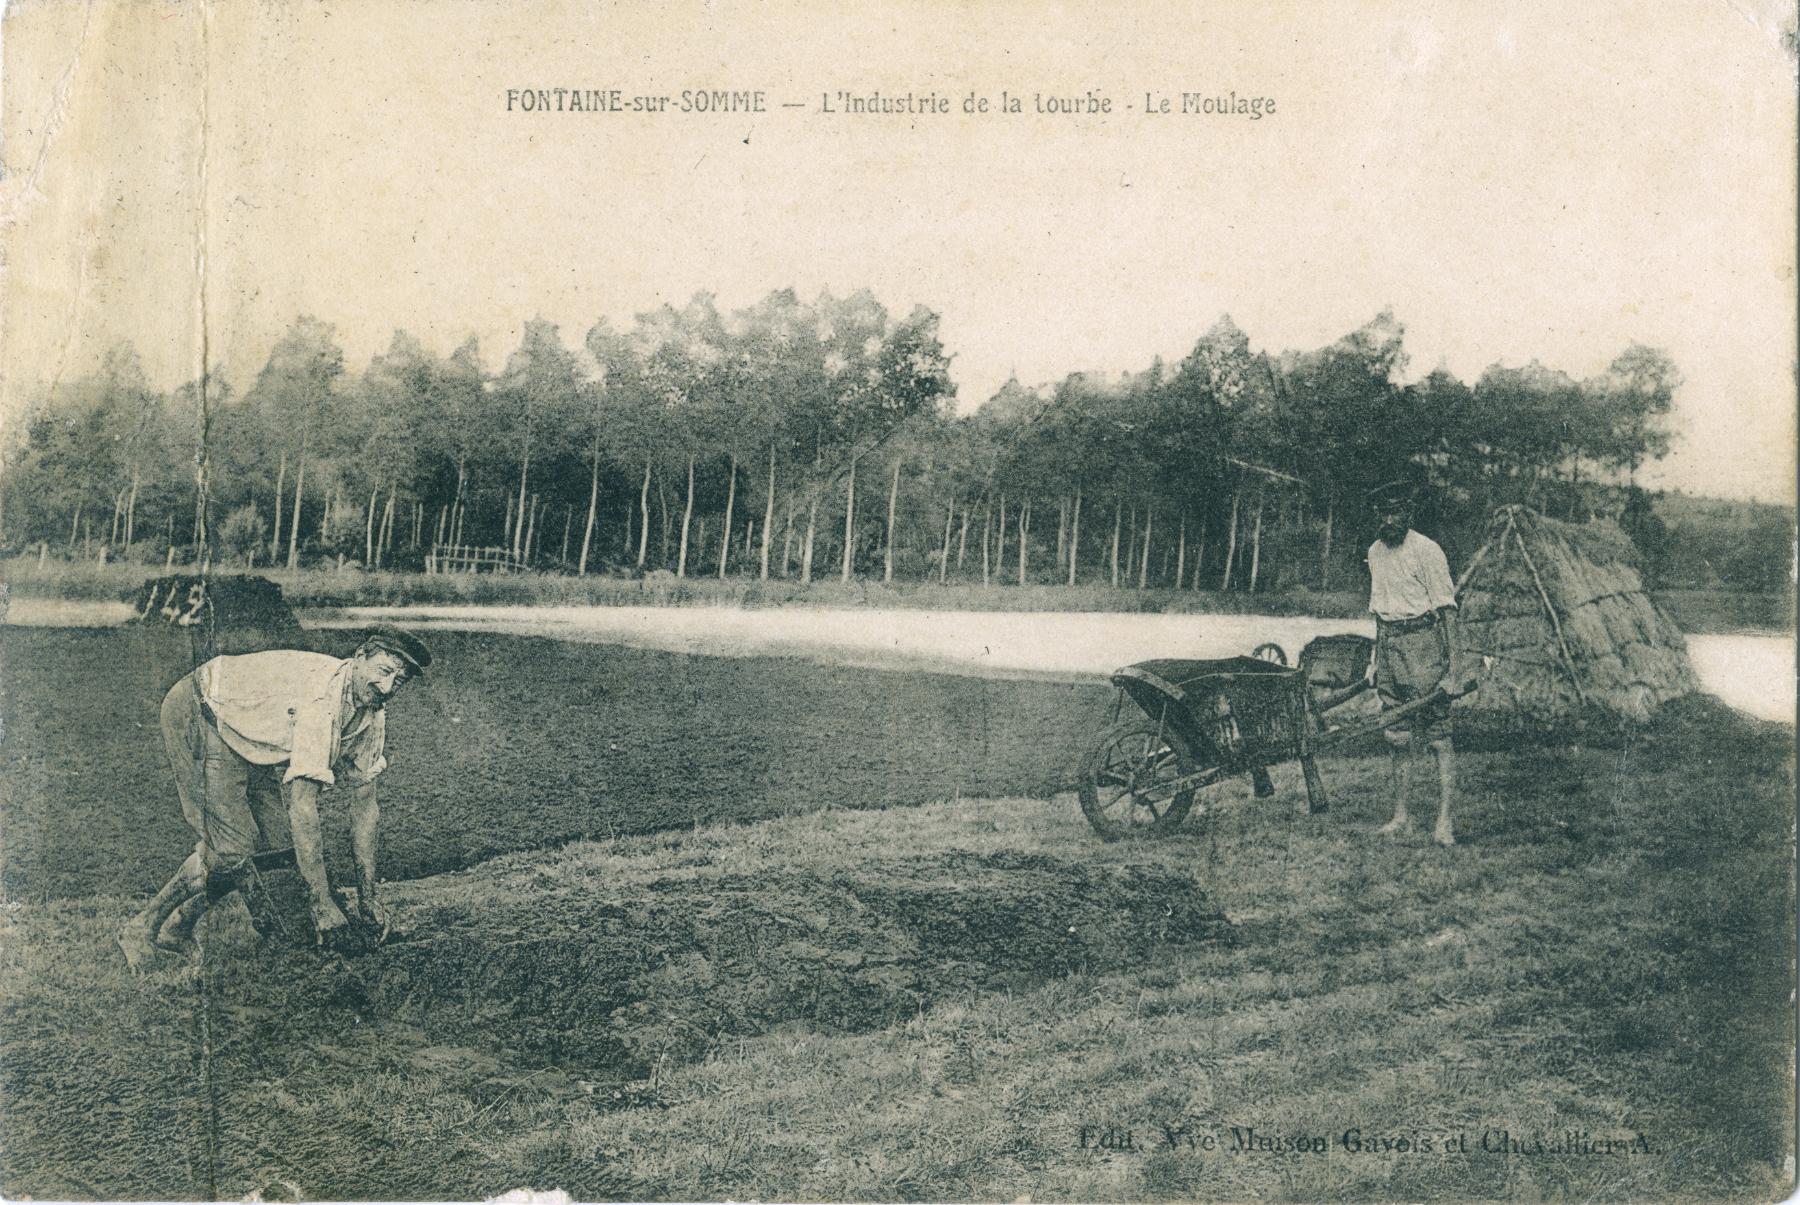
1411 580
294 707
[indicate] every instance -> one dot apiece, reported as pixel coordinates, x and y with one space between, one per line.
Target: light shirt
1411 580
294 707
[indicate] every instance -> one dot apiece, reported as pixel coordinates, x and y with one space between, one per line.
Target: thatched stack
1571 632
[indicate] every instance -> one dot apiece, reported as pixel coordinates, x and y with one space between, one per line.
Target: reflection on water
1752 672
65 612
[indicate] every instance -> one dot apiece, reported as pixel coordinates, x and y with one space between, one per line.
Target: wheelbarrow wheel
1121 777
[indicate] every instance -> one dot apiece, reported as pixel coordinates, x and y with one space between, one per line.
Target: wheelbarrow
1199 722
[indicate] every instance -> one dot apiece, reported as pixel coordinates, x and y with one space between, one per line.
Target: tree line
798 439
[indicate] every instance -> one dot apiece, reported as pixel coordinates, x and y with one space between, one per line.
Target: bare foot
177 934
1442 834
139 952
1393 826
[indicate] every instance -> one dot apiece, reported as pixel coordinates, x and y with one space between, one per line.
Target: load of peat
235 600
1572 635
223 613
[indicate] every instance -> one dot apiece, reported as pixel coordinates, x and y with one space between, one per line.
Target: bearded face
1394 522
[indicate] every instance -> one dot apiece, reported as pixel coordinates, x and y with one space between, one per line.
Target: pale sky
1543 181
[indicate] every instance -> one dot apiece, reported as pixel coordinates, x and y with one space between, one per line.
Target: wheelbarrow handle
1339 698
1391 717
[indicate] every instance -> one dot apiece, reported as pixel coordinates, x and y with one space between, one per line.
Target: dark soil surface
514 743
586 990
625 977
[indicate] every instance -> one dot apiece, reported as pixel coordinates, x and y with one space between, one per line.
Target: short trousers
1408 666
235 807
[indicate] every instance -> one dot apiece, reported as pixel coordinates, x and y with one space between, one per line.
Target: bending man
246 735
1414 601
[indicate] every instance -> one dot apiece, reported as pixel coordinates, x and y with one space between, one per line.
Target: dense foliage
794 439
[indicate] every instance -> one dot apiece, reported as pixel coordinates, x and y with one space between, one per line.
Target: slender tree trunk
1181 552
987 521
1144 560
456 503
280 486
644 505
1131 542
944 556
390 521
806 547
662 510
962 537
518 544
850 523
568 523
787 544
1074 537
293 557
769 520
507 533
118 515
887 560
443 526
1256 542
369 530
1118 514
1231 540
387 530
587 530
1200 555
130 511
1062 531
1325 556
730 501
687 518
1024 539
75 524
1000 540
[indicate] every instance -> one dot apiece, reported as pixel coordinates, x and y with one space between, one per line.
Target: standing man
246 735
1414 601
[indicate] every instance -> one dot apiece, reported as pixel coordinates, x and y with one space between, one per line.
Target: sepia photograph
906 602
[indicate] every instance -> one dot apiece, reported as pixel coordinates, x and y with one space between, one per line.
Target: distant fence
466 558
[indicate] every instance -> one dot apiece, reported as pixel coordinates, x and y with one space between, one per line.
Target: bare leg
138 936
177 933
1399 767
1446 766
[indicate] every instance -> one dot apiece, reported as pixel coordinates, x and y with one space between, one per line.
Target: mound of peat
615 978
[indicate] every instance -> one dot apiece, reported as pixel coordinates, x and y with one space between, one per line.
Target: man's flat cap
1393 493
404 645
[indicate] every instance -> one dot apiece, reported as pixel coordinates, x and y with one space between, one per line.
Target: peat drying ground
786 986
957 1001
516 743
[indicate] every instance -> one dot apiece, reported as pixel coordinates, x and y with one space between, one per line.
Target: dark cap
1399 493
404 645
